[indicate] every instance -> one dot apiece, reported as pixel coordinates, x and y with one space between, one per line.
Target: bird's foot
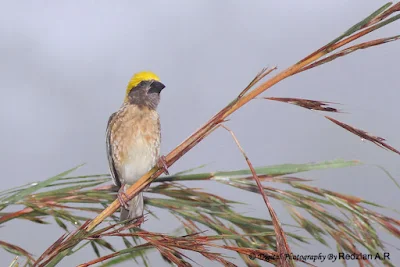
121 195
139 221
162 163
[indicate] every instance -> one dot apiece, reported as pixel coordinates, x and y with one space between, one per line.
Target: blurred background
65 65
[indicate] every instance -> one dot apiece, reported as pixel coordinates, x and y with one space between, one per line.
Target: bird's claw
121 195
162 163
139 221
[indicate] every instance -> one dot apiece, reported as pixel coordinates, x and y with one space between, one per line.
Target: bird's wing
113 171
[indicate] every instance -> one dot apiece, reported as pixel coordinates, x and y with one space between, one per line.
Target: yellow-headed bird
133 139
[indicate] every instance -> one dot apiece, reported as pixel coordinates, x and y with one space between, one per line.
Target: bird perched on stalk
133 139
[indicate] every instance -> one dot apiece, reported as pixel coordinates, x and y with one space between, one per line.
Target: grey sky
64 67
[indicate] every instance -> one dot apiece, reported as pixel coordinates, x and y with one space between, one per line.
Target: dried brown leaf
379 141
17 249
351 49
306 103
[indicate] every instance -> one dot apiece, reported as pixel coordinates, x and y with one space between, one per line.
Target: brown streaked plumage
133 138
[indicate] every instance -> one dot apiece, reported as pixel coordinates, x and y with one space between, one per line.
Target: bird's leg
162 163
139 221
121 194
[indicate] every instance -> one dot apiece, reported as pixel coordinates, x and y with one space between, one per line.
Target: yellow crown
139 77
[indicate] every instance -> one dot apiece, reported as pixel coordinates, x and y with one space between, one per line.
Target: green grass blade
30 190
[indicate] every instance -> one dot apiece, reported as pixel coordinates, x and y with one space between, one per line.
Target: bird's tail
135 210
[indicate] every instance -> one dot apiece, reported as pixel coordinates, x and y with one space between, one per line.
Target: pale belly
135 142
139 161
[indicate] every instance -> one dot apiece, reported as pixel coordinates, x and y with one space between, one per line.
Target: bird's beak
156 87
